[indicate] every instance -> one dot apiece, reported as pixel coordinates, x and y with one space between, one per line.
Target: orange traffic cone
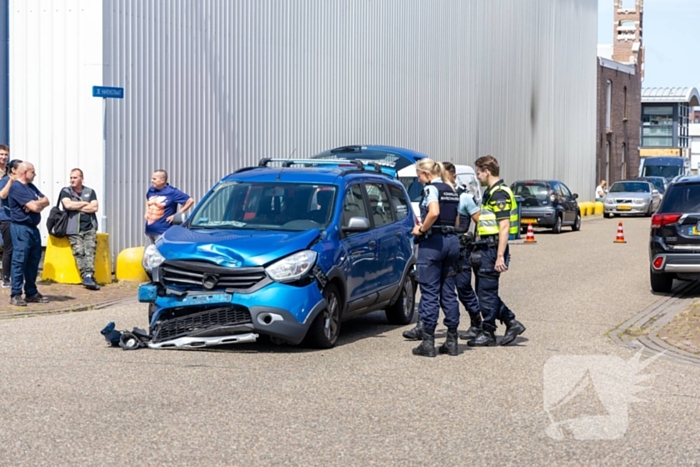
530 238
620 234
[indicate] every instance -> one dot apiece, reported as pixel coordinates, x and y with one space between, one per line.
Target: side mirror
179 218
357 224
574 196
654 192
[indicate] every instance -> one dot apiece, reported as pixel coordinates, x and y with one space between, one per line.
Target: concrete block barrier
129 266
60 266
598 208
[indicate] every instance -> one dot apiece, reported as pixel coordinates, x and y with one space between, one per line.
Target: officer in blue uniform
468 211
497 220
438 256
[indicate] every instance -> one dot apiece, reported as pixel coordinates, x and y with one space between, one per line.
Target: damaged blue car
289 250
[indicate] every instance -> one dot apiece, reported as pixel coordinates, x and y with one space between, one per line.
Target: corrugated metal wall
215 85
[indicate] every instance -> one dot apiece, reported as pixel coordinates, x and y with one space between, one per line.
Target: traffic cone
620 234
530 238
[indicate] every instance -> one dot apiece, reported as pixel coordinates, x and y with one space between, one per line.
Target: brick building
619 98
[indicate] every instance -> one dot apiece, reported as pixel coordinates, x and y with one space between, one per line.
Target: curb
93 306
643 328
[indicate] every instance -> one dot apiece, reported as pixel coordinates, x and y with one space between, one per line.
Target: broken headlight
152 258
292 267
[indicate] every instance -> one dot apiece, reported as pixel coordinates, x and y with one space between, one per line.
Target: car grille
623 201
192 274
196 323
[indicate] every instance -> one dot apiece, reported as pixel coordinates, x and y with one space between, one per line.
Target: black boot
513 329
450 345
416 333
426 347
474 329
484 339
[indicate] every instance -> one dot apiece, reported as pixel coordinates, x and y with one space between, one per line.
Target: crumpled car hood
232 248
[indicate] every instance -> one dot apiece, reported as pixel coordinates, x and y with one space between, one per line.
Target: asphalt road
68 399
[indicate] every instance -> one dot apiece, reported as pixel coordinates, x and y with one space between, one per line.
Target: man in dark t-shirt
81 204
26 204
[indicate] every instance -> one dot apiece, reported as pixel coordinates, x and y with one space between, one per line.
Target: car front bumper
626 208
201 318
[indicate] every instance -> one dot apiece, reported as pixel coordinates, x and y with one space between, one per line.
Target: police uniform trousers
465 292
492 307
438 256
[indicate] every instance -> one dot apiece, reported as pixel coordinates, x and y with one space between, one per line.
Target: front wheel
325 329
401 311
577 223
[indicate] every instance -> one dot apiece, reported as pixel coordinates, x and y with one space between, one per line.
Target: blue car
390 159
288 250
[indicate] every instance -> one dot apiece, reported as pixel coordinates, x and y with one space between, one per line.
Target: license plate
624 207
695 230
528 221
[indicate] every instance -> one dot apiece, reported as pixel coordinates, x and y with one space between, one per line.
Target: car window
658 184
630 187
681 199
565 191
354 205
379 204
401 204
537 190
263 206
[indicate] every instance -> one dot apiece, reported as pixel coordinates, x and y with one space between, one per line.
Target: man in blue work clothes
26 204
468 211
498 219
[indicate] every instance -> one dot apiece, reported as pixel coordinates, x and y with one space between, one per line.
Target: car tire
577 223
649 211
557 225
401 311
325 328
661 283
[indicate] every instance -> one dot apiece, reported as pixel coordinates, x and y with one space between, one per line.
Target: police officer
438 255
498 219
468 211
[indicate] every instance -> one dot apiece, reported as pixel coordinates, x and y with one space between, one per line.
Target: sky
671 37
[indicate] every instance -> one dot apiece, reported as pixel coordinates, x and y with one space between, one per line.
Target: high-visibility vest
488 225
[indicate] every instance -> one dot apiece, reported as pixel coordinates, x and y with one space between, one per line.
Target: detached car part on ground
674 243
284 252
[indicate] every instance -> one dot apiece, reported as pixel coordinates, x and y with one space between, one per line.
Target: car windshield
265 206
665 171
630 187
682 199
658 183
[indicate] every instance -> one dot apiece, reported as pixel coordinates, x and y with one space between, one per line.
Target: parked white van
466 177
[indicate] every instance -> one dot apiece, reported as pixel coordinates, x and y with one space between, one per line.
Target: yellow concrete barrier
129 266
583 207
589 208
598 208
60 266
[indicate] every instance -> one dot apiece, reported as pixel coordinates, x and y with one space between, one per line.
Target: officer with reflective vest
438 256
497 221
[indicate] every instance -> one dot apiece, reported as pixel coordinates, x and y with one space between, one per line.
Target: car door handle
399 234
372 244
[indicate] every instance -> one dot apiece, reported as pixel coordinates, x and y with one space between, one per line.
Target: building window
624 108
657 126
608 103
623 165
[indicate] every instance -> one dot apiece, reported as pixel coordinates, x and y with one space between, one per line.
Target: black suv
674 247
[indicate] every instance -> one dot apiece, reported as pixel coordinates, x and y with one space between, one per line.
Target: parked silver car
631 197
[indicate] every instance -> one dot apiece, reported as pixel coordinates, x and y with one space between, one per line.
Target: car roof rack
359 166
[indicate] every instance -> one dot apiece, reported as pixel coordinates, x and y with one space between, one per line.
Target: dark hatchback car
547 203
674 246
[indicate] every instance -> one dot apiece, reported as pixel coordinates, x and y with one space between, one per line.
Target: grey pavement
68 399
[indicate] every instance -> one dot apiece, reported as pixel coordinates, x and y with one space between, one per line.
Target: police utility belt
438 229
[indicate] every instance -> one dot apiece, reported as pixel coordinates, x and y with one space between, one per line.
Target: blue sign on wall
108 92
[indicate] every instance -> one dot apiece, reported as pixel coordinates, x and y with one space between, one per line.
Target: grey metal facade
215 85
